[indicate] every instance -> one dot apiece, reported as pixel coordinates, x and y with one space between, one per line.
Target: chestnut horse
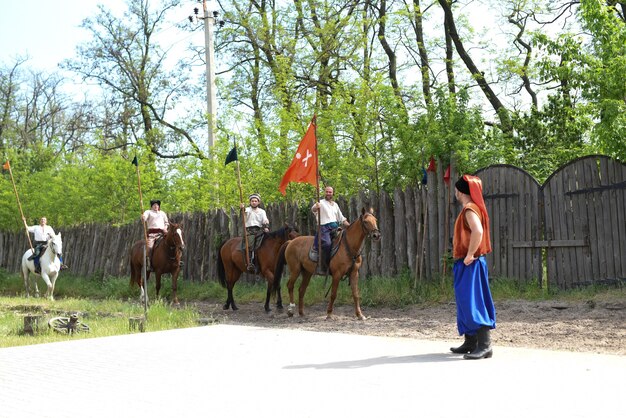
346 262
166 256
231 262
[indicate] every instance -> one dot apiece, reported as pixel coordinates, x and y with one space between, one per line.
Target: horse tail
221 271
280 266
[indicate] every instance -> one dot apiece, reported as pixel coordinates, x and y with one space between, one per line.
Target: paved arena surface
236 371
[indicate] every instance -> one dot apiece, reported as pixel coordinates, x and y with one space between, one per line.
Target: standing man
41 234
157 224
330 218
476 315
256 224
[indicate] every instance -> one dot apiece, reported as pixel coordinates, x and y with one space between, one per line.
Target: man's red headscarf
476 193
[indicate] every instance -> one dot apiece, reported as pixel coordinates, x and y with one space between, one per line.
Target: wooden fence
573 227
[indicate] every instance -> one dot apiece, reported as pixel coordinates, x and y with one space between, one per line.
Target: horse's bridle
53 247
368 232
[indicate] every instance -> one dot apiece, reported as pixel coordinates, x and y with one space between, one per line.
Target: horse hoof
235 308
280 309
361 317
289 314
225 307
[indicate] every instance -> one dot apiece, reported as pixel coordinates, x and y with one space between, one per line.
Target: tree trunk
478 75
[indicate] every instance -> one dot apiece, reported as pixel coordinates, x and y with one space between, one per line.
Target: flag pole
317 192
243 215
19 205
145 243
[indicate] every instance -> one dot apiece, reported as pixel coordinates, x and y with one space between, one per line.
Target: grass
107 303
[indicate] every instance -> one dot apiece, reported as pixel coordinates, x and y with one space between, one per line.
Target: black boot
483 348
467 347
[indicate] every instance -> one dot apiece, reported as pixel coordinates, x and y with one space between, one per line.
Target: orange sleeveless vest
462 232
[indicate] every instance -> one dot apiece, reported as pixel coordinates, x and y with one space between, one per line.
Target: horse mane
279 233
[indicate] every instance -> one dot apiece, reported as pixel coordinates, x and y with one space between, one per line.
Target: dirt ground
590 326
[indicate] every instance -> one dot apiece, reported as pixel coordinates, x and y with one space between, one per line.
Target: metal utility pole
209 22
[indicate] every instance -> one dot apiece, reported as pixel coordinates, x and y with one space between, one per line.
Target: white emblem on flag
305 159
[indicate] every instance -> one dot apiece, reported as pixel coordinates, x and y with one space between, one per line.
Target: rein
344 238
172 249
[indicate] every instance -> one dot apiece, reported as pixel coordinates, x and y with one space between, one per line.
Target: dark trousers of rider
37 249
325 231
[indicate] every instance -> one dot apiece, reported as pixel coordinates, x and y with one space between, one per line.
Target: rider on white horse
42 233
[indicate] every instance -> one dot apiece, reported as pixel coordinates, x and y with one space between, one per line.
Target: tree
123 58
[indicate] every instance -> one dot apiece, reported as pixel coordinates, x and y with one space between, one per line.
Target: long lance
317 196
145 243
243 214
19 205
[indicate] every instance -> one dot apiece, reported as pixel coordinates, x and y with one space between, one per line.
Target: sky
46 31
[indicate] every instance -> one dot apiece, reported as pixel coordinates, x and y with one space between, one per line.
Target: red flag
6 165
432 166
446 176
303 168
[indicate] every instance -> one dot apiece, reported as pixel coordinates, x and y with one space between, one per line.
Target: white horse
50 264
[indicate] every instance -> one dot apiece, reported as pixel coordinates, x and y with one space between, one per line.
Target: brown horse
166 256
231 262
346 262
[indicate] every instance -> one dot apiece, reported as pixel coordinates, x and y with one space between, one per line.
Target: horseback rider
157 224
330 218
256 224
41 234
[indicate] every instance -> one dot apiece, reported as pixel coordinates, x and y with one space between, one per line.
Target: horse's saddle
336 235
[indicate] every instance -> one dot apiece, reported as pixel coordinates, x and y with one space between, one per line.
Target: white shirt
41 232
156 219
256 217
329 212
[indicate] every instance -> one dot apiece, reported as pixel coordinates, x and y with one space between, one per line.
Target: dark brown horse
346 262
231 262
166 256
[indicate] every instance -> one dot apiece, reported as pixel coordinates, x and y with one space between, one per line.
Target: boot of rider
483 347
468 345
322 264
251 266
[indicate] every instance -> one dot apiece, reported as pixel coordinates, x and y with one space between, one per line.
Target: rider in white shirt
256 224
330 218
157 224
41 234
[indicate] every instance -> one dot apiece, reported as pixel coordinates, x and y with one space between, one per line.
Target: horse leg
279 300
333 296
45 277
157 276
354 285
293 276
36 285
175 286
232 275
53 280
26 277
306 278
270 284
231 300
267 299
144 289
